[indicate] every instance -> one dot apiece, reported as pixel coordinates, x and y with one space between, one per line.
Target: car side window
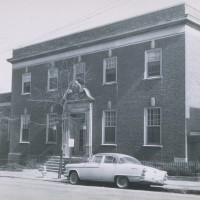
97 159
110 159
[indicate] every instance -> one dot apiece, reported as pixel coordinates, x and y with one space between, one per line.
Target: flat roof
123 28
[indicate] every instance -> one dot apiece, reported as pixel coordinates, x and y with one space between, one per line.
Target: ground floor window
51 133
153 126
109 127
24 133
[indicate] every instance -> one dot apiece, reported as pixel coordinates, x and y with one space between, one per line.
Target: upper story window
52 79
153 126
110 70
26 83
25 125
153 63
80 72
51 133
109 127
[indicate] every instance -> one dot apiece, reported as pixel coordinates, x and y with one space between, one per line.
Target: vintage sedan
120 169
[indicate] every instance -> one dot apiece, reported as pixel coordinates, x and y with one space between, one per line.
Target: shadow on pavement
139 187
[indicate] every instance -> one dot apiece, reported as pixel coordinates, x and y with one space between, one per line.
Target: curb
154 188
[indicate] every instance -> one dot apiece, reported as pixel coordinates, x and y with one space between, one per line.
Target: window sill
110 83
113 145
153 78
53 90
51 143
154 146
25 93
24 142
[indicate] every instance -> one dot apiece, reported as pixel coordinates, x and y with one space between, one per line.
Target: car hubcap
73 178
122 182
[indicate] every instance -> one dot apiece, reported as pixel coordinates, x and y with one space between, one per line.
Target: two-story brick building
130 87
5 110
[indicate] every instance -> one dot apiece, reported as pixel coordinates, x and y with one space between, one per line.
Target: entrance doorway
78 133
77 130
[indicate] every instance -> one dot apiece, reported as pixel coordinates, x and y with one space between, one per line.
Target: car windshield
129 160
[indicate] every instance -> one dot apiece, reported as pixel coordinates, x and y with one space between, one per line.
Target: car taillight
143 172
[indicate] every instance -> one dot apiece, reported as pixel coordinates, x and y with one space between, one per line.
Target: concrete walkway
183 186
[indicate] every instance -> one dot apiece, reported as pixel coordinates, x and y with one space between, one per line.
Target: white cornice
122 42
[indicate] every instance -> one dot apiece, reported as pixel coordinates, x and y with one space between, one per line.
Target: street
23 189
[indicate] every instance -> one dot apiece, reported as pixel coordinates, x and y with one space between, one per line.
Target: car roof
119 155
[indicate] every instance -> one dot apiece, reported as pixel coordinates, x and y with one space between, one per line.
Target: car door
91 170
107 169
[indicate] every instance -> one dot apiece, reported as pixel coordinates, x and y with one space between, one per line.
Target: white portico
77 126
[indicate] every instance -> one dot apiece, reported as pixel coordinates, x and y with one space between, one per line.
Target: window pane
110 135
110 67
52 135
153 135
26 77
109 159
25 135
111 75
81 140
53 73
154 68
97 159
27 87
53 82
80 73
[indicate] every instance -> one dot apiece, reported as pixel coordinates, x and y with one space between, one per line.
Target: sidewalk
191 187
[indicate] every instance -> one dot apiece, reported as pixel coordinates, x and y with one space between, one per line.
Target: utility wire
75 23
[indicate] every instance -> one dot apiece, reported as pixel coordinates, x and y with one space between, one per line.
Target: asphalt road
23 189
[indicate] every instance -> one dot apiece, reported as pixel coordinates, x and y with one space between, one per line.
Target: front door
78 132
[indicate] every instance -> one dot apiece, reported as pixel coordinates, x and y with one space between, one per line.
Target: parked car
120 169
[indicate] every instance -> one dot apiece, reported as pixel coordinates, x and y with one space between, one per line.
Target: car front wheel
73 178
122 182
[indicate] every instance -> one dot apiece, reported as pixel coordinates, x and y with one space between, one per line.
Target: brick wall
129 97
192 94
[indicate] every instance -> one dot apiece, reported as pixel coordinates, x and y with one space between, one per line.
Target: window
97 159
110 70
80 73
109 129
26 83
24 134
153 63
110 159
52 79
153 126
51 136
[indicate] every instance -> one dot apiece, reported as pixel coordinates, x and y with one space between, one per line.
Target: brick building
130 87
5 108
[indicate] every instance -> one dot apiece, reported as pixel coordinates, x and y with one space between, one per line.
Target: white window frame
146 127
78 71
104 126
47 128
24 77
49 78
146 64
104 70
22 126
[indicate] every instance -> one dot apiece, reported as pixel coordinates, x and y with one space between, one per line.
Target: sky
25 22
